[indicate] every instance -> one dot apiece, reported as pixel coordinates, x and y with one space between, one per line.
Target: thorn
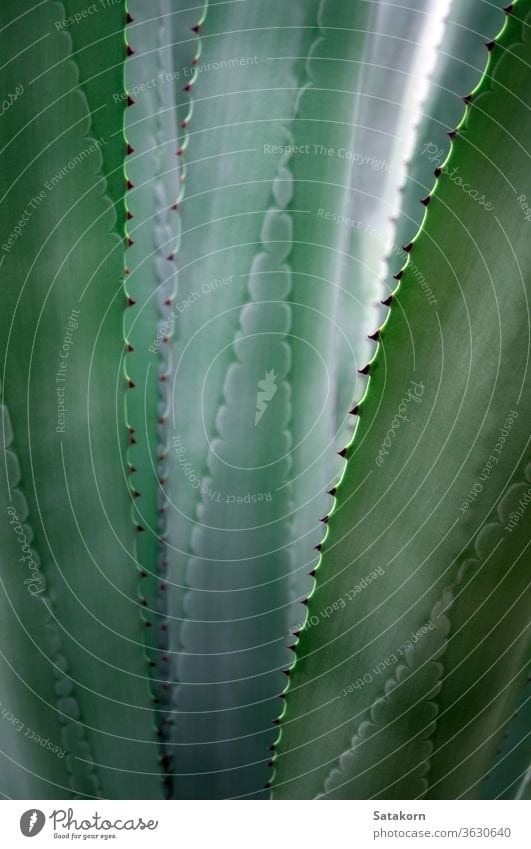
187 87
130 347
184 125
276 722
490 45
332 491
296 634
305 602
398 275
130 242
136 493
282 696
318 547
508 9
438 171
313 573
142 574
180 151
270 764
130 51
286 672
132 471
467 98
425 201
324 519
342 453
271 748
139 529
132 441
387 301
292 648
196 28
267 786
129 185
130 383
374 336
408 247
129 19
452 134
365 369
151 663
147 624
131 302
355 410
129 215
130 101
130 149
171 257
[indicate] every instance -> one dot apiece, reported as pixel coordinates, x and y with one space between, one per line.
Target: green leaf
230 439
417 499
61 333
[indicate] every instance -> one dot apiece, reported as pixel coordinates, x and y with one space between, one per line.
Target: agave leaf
417 500
357 107
61 333
228 454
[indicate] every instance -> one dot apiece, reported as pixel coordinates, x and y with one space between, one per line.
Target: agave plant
231 463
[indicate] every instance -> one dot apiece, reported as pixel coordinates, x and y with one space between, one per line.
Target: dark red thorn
126 270
318 547
164 658
132 470
195 60
140 529
129 19
131 302
305 602
490 45
142 574
313 573
282 696
425 201
267 786
129 185
165 339
130 51
147 624
130 149
355 410
165 685
130 101
452 134
332 491
132 441
365 369
286 672
130 383
324 519
175 206
130 348
143 602
272 748
399 274
374 336
342 453
136 494
167 303
438 171
408 247
196 28
129 215
187 87
180 151
152 663
164 627
508 9
276 722
171 257
292 648
130 241
184 125
467 98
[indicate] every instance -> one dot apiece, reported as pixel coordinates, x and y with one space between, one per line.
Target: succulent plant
217 471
